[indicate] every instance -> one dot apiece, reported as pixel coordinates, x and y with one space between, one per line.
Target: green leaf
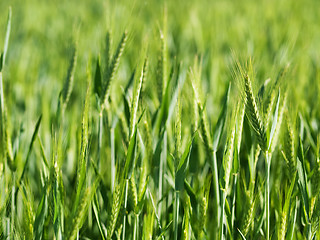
221 120
242 236
130 158
183 163
44 158
274 122
164 230
236 162
97 79
6 42
289 194
139 207
34 135
156 159
97 211
126 109
104 189
164 110
291 228
302 180
1 61
41 215
192 195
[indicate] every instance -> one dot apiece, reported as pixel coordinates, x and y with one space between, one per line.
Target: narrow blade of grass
6 41
68 85
41 214
34 135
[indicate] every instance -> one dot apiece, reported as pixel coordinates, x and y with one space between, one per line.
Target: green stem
125 208
216 188
160 187
224 195
155 212
309 233
12 207
137 219
234 201
113 170
163 158
100 129
136 227
2 141
294 220
267 194
1 94
176 215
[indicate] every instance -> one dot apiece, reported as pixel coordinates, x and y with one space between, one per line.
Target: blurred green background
273 32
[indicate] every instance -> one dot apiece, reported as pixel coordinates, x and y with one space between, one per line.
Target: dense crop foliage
159 120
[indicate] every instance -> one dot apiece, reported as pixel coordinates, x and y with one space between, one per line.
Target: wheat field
159 119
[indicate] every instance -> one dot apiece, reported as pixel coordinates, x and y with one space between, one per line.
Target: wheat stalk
289 148
110 71
115 210
68 85
133 195
249 217
227 165
253 114
135 98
